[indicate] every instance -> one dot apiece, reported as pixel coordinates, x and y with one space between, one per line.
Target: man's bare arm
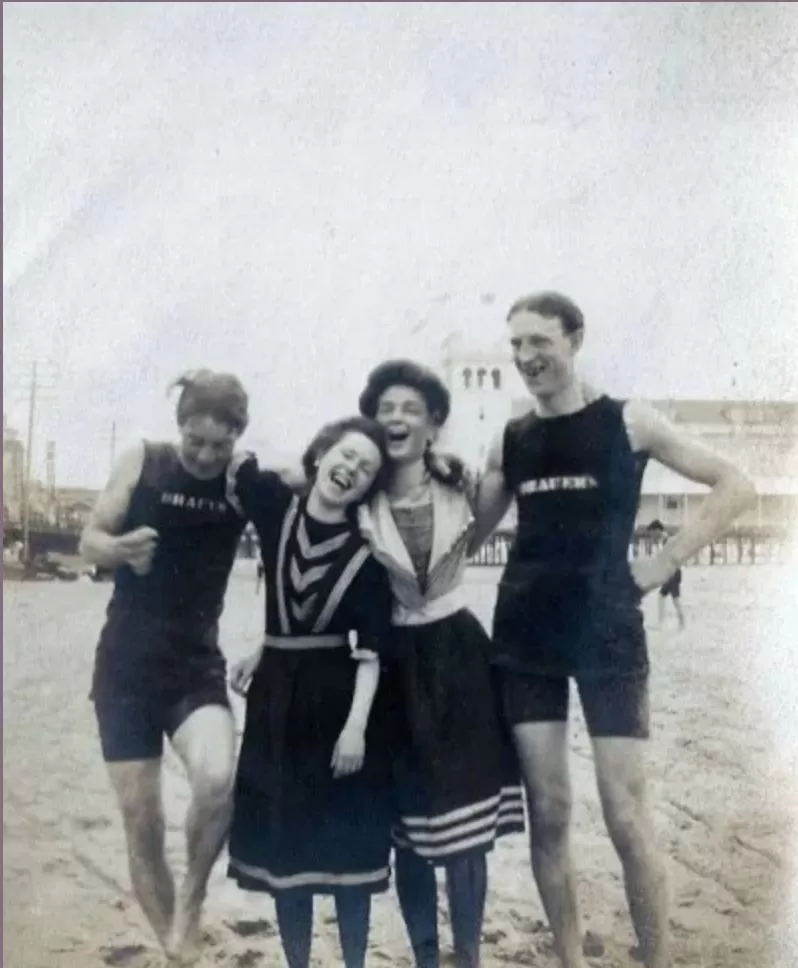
731 490
101 542
492 498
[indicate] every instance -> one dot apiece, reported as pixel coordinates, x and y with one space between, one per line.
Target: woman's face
347 470
410 428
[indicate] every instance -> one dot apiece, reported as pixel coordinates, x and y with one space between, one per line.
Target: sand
723 781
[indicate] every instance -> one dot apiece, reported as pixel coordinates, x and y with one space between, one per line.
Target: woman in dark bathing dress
313 804
457 778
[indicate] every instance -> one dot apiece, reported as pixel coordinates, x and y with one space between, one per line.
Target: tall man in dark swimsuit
568 604
164 524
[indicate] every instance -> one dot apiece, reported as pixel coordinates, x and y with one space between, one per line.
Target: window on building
481 374
496 373
672 503
467 378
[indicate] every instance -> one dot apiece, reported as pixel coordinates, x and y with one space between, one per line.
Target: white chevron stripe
285 531
302 582
310 551
302 612
339 589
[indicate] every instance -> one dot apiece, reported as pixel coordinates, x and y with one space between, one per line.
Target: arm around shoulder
493 497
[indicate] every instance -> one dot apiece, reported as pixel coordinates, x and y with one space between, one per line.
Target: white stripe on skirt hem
426 838
465 813
306 879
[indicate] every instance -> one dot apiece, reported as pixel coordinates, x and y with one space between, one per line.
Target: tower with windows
483 384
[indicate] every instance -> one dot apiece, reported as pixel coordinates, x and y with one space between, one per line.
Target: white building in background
761 437
483 384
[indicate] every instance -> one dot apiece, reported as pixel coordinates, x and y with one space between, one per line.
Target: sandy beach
724 785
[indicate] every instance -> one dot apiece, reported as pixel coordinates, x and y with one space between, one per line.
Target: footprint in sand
592 945
248 929
248 959
122 954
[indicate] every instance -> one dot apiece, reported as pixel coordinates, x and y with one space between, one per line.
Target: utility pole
113 445
28 470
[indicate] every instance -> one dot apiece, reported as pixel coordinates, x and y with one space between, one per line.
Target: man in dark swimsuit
164 525
568 604
672 588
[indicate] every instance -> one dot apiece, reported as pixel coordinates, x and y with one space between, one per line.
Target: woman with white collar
457 779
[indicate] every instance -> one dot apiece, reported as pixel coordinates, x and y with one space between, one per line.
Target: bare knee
628 819
549 817
212 783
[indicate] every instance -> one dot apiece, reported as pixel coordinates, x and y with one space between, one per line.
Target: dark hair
551 305
331 433
405 373
218 395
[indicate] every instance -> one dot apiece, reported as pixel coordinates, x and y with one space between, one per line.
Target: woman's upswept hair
405 373
331 433
221 396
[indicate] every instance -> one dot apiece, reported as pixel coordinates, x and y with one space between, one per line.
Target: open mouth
398 435
535 370
341 479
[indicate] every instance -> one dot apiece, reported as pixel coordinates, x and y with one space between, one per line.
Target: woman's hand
349 752
242 672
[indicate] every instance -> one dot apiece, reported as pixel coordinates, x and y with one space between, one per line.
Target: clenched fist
137 549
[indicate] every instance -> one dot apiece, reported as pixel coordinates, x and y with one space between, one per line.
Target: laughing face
347 470
206 446
543 352
410 428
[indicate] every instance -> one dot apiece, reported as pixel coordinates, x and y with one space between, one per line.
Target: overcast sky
295 191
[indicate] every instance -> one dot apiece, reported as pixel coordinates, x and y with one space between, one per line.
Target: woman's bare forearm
366 682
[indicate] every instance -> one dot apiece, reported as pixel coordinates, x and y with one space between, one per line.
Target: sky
294 192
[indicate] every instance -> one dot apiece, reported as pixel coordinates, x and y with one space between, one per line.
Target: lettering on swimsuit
193 503
539 485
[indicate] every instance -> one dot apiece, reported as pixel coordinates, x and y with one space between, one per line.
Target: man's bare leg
205 743
543 755
679 613
620 770
660 610
138 789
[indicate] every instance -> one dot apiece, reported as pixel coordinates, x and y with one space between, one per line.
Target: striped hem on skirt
474 827
254 878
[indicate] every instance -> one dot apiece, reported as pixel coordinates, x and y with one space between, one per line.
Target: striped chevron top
320 578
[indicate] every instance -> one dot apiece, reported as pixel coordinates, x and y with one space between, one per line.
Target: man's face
206 446
543 352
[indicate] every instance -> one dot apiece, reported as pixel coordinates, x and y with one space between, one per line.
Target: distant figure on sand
569 604
164 524
672 588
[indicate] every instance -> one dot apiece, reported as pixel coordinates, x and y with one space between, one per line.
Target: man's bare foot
185 939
